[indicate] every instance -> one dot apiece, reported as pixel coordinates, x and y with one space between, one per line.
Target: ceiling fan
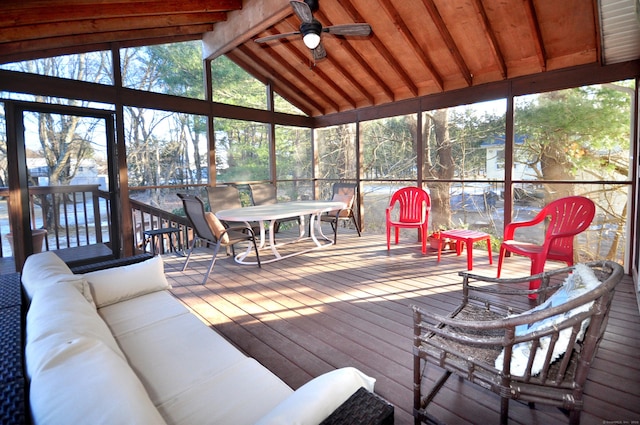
311 29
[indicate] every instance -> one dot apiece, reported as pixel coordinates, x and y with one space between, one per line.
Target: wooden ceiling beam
77 41
341 69
399 23
318 69
28 12
491 37
95 47
256 16
282 63
109 25
448 40
286 92
357 57
382 50
347 76
538 42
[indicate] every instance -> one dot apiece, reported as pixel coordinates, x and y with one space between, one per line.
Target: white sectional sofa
115 347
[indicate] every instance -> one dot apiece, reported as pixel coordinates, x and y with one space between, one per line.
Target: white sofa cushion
85 382
57 316
139 312
317 399
122 283
240 395
171 356
46 268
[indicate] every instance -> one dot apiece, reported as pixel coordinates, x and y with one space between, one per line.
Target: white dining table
271 213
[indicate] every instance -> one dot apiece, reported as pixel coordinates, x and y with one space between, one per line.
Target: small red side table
468 237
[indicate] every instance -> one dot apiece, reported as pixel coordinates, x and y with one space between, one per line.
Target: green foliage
584 129
179 67
242 149
234 86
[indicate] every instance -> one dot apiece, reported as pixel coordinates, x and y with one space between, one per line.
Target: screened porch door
61 183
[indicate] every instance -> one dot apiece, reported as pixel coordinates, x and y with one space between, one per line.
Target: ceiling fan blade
319 52
349 29
276 36
303 10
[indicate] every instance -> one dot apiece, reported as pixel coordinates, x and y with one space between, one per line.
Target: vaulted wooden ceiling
416 48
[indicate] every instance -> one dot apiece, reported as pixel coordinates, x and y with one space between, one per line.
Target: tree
439 165
64 141
568 132
581 134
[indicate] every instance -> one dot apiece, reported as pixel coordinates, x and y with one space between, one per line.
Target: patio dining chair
413 205
211 231
226 198
223 197
565 218
347 193
266 194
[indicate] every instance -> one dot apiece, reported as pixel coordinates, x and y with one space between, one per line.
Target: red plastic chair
567 217
414 206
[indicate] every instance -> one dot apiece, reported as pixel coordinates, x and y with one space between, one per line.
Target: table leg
301 227
262 234
272 238
489 250
315 219
469 243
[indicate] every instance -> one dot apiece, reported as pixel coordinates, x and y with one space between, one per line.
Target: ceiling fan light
311 33
311 40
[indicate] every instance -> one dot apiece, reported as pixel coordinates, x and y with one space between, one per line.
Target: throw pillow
578 283
317 399
58 315
216 226
40 268
125 282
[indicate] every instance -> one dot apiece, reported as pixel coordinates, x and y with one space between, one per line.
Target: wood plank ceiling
42 28
417 47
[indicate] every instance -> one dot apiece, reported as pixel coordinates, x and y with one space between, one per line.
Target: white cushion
85 382
317 399
43 269
122 283
581 281
238 395
57 316
172 355
139 312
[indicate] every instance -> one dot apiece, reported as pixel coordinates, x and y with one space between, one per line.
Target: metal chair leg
211 264
193 242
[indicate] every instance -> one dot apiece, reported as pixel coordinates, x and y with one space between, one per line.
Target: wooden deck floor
349 305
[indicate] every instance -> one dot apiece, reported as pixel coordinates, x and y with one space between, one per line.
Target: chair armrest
510 228
244 228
